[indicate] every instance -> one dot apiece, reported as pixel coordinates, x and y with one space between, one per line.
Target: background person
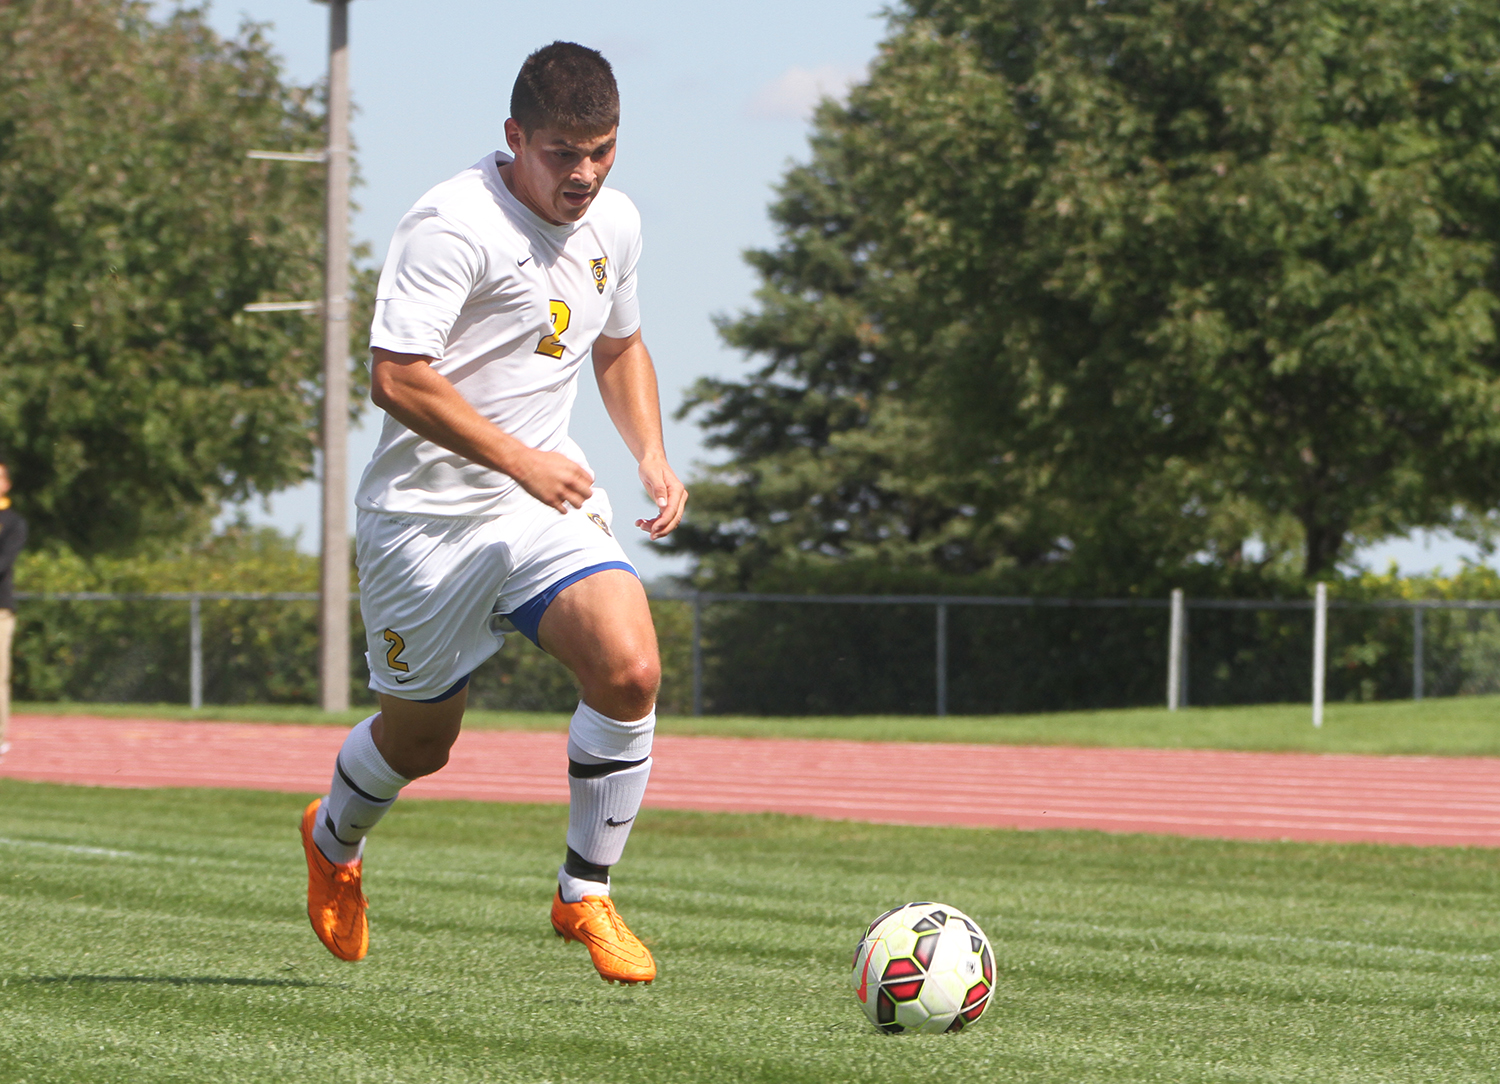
12 538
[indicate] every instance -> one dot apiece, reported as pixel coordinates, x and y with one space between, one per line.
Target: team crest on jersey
598 521
601 275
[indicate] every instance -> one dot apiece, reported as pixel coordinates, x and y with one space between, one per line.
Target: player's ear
515 139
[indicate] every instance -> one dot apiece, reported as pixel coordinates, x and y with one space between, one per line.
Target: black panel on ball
926 946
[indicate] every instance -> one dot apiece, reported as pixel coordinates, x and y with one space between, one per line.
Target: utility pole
333 587
333 603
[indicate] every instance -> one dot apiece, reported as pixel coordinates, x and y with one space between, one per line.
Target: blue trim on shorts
528 615
453 690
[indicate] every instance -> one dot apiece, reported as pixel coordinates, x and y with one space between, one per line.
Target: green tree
135 395
1098 291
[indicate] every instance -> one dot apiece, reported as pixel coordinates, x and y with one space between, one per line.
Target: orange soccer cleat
335 903
617 953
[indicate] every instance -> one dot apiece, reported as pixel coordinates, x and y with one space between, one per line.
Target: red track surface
1415 800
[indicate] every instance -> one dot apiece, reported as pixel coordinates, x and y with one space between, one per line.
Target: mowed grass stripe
1449 726
182 954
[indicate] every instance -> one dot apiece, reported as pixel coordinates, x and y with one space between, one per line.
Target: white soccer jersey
507 306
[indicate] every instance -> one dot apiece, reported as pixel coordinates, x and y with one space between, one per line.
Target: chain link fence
207 647
767 654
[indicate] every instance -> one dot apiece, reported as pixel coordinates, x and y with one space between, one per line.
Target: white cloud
793 93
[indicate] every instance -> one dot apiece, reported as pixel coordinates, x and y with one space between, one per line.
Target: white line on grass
71 848
105 852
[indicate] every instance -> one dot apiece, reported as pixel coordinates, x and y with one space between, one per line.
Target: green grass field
159 936
1454 726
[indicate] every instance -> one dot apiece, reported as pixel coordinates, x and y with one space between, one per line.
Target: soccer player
478 508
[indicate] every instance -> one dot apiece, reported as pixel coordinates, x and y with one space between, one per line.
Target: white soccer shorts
434 589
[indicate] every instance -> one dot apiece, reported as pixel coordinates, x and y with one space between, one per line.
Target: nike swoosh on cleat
617 824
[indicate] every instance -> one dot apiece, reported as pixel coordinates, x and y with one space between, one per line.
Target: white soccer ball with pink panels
923 967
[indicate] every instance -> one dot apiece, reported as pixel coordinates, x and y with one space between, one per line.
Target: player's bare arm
627 384
411 391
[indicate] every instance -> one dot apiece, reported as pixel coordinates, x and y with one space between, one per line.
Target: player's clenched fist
554 479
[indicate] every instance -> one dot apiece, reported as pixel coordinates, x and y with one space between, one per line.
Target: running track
1451 801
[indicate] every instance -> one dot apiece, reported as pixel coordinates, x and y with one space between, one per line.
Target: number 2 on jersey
562 316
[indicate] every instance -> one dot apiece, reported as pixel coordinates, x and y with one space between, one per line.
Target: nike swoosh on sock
617 824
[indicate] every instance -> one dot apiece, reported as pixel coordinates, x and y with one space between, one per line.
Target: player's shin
364 786
609 764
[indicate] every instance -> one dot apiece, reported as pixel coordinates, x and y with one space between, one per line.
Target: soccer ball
923 967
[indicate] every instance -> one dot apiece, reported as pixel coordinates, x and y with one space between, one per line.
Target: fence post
697 653
942 658
1320 650
195 652
1174 652
1416 652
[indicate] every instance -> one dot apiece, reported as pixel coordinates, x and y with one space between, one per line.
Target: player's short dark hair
568 87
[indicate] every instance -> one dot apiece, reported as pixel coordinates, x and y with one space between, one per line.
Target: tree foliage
134 393
1091 294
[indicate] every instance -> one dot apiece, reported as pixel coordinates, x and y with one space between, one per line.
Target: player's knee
633 685
415 758
429 759
638 684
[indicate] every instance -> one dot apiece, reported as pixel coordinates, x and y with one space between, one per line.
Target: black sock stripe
580 867
334 832
352 785
609 767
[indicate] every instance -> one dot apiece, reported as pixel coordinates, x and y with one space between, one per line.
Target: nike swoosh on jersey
403 681
617 824
523 263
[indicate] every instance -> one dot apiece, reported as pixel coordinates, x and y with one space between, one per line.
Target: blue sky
715 100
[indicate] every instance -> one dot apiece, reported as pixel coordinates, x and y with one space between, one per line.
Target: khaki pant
7 630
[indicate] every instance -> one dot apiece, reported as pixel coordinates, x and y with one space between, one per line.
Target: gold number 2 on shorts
393 656
562 316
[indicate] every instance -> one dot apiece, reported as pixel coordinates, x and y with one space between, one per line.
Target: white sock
611 739
579 755
574 889
602 810
364 786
